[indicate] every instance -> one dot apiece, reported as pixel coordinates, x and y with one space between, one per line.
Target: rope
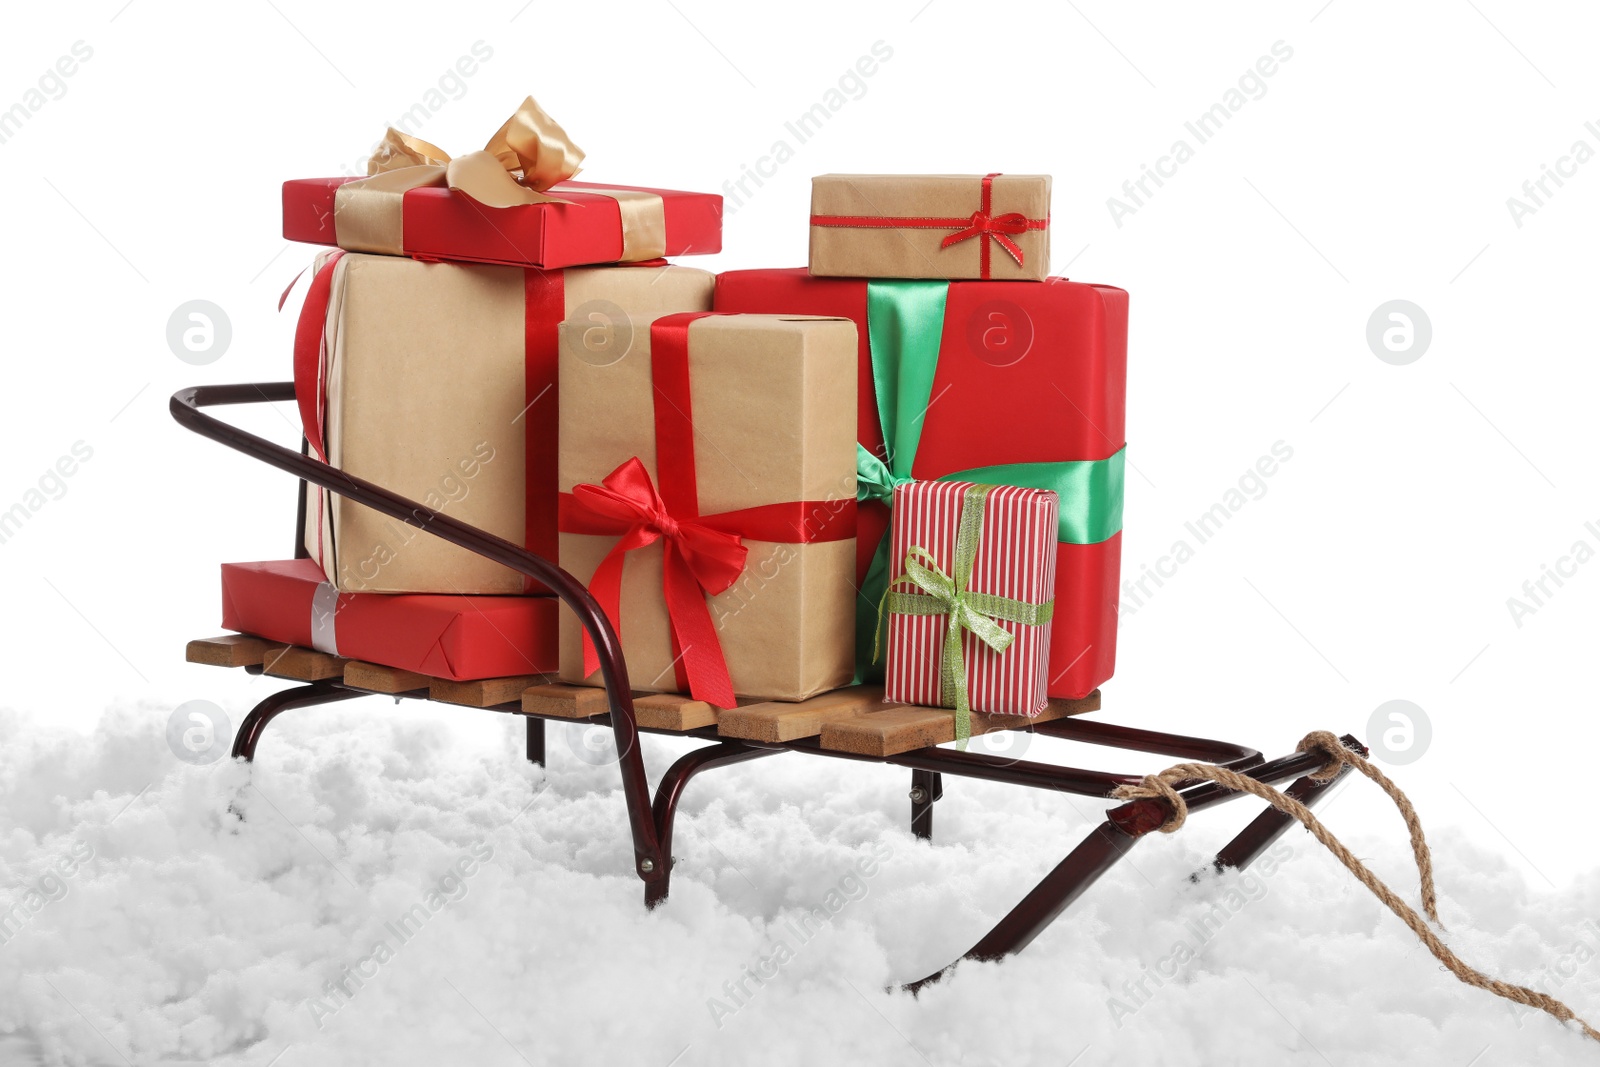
1164 786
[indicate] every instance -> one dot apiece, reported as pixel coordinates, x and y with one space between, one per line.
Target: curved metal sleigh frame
651 821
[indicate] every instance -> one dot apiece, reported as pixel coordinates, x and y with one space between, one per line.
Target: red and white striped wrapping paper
1016 558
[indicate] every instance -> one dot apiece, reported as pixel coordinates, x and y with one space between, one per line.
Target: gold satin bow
526 156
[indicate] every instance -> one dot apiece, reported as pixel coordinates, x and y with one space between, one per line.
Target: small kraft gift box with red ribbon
1005 383
513 202
708 478
982 226
965 621
455 637
438 381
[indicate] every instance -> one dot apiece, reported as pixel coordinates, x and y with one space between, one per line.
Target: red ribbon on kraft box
702 554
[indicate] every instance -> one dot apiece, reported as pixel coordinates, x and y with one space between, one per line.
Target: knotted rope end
1325 742
1159 787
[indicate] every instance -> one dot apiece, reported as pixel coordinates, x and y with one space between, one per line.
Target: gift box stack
901 465
974 366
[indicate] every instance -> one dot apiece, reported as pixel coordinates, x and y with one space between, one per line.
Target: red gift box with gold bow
512 203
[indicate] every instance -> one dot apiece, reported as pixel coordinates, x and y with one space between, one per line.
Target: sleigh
851 724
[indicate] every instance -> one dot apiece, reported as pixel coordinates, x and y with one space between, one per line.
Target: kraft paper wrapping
427 396
916 252
774 401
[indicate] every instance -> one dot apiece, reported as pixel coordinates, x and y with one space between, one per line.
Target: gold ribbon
526 156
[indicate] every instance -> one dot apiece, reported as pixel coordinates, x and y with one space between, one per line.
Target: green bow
943 594
905 322
874 479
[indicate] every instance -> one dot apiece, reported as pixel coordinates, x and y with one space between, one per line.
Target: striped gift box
1011 537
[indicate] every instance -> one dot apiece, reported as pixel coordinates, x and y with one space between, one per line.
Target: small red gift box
443 636
972 380
967 613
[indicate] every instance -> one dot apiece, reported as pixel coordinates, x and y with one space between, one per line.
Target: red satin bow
997 227
981 224
701 554
987 227
697 559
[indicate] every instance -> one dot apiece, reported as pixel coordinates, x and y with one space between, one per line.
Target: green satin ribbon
948 595
905 322
874 479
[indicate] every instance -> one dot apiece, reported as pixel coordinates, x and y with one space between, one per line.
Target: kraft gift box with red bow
965 621
1008 383
708 502
455 637
983 226
438 381
513 202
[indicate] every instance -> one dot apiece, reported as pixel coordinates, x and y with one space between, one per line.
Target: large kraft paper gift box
984 226
1007 383
708 479
438 381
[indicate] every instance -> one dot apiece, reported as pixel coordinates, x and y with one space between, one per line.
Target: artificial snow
377 889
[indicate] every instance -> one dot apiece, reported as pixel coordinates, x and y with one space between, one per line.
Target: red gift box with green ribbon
1004 383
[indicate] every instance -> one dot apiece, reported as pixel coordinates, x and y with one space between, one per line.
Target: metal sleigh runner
852 724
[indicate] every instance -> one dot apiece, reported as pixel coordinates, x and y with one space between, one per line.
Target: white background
1376 166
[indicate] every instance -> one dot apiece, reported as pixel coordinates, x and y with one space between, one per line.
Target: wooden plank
657 711
229 650
379 679
565 701
673 711
301 664
482 692
775 720
905 727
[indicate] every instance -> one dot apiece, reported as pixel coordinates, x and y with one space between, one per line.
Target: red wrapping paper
443 636
1063 398
441 224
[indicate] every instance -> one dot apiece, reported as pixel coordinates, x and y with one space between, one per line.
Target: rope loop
1165 787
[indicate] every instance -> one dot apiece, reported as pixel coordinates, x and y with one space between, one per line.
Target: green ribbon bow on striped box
967 618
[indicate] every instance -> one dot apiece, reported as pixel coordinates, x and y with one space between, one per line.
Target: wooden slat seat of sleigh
850 724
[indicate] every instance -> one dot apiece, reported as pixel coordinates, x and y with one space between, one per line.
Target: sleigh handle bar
185 407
